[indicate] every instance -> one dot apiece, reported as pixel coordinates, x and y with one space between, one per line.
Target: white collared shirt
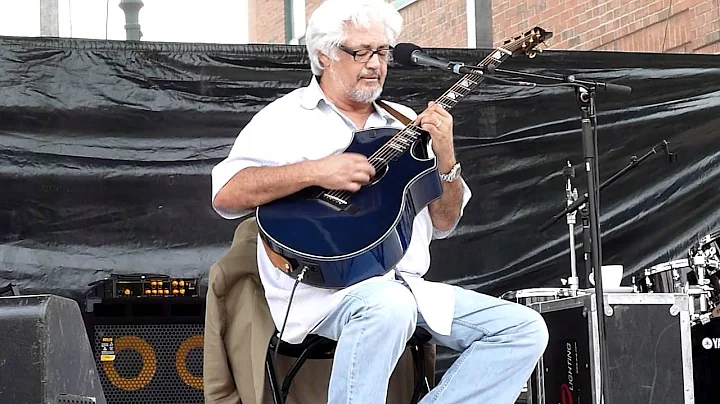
304 125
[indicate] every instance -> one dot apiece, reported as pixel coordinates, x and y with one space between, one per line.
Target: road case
648 345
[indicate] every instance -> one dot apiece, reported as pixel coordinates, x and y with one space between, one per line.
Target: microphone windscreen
402 53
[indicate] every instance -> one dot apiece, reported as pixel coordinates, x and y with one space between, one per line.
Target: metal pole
49 19
132 11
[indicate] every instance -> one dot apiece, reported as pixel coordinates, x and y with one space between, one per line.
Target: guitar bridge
337 203
334 199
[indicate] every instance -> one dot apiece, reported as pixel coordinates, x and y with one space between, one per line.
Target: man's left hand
439 124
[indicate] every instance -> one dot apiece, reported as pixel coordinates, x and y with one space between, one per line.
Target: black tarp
106 150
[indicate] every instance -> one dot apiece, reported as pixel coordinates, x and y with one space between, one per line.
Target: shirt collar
313 94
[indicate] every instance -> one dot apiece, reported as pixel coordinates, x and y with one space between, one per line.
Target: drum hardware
697 276
668 277
572 195
704 316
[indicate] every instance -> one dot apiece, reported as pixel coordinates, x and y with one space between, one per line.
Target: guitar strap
400 117
278 260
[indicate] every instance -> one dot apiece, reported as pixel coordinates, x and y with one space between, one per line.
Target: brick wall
435 23
693 26
430 23
266 21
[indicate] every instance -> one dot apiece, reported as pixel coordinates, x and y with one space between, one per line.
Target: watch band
453 175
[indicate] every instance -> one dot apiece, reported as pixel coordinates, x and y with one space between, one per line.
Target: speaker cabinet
45 356
148 350
648 346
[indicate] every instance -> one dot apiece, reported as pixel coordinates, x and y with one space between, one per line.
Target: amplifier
142 285
148 350
648 341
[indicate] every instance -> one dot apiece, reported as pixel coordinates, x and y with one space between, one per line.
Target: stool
317 347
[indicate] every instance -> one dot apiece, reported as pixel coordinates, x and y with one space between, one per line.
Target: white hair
326 26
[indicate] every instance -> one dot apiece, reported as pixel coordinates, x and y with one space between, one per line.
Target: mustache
370 75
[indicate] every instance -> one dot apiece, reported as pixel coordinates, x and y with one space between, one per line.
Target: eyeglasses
364 55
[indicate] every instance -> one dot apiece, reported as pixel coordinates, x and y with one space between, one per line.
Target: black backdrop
106 150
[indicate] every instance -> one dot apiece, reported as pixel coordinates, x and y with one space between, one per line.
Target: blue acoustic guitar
338 238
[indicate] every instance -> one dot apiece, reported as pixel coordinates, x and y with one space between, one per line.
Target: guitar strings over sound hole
381 168
340 198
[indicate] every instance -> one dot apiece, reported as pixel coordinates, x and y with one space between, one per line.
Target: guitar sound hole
381 168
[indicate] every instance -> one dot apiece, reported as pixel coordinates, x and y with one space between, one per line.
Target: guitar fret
468 84
415 134
396 146
447 102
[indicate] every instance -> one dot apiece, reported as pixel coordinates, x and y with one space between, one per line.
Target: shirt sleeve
253 147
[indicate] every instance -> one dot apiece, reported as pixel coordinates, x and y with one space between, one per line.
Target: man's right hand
346 172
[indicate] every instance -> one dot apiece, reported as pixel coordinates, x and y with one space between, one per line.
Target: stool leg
272 380
421 382
295 368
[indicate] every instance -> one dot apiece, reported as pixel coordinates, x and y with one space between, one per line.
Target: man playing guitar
297 141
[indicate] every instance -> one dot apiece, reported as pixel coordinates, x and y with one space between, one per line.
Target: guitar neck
468 82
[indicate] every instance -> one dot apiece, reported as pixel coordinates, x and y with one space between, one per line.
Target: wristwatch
453 175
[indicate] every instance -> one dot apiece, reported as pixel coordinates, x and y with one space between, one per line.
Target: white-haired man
298 141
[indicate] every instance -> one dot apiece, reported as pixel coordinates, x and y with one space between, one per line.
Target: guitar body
342 244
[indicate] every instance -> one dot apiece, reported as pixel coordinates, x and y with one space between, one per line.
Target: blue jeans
500 341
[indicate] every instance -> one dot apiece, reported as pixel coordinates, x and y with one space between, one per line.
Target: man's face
360 78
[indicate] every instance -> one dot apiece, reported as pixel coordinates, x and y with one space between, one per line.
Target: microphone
617 88
409 54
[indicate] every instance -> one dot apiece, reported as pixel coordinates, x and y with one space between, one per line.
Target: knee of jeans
393 308
536 329
529 327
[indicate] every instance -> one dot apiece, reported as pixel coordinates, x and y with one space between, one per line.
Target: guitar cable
287 313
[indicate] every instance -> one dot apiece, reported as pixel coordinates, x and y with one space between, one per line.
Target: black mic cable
287 313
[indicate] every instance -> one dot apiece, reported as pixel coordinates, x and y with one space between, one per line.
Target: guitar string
389 150
407 137
457 88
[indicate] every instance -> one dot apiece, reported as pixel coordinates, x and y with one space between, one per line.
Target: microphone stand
585 97
634 162
571 195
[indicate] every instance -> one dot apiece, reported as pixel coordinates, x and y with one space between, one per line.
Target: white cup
611 276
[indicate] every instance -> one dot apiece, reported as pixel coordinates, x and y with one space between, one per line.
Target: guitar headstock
529 43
